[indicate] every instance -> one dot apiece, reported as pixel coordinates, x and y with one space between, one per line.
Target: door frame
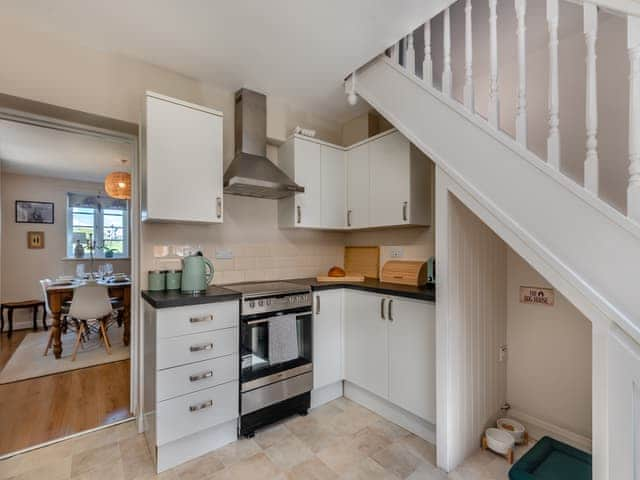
53 123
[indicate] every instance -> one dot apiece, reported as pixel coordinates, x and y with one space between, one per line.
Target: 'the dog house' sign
537 296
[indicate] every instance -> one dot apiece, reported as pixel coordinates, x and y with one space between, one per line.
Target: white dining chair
91 303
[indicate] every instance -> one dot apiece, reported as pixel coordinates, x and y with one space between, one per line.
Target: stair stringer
586 249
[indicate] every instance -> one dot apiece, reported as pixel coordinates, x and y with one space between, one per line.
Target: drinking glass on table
108 269
80 271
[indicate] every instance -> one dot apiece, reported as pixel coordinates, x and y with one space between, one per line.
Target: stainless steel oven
276 358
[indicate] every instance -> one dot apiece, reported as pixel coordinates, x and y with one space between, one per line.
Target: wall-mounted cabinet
181 160
381 182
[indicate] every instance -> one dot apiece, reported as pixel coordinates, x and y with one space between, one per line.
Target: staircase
588 249
587 245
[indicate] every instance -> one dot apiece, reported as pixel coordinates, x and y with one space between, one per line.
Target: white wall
22 268
549 361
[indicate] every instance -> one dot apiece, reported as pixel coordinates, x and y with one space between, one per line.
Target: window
104 219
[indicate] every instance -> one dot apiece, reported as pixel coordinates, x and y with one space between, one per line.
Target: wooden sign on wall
35 239
537 296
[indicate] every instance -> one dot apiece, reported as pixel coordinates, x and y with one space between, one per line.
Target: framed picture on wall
34 212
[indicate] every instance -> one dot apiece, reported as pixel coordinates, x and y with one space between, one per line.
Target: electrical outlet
225 254
396 253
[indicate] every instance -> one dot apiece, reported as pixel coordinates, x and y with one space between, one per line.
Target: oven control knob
252 304
268 301
260 303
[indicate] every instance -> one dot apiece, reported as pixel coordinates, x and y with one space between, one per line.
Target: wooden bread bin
404 272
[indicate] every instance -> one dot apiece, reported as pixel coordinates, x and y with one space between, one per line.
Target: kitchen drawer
188 414
173 352
173 382
173 322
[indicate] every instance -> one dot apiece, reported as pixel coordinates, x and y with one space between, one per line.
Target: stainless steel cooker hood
251 173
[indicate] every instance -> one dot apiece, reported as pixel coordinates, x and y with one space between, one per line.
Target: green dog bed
550 459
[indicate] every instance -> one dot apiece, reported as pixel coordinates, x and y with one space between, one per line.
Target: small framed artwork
34 212
35 239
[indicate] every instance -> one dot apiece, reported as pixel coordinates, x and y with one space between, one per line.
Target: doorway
68 234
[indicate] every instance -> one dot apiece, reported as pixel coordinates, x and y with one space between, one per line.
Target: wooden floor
41 409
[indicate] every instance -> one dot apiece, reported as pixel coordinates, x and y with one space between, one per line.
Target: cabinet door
389 168
358 187
327 338
183 165
308 174
412 356
333 187
366 359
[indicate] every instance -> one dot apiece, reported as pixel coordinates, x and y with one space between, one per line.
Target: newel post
633 46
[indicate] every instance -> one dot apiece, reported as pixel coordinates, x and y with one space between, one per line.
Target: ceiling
299 50
34 150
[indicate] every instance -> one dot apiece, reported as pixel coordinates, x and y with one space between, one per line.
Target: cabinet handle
317 304
219 207
299 213
201 376
404 211
382 308
348 218
200 348
389 314
205 318
201 406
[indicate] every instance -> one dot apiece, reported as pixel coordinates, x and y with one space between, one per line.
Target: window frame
98 231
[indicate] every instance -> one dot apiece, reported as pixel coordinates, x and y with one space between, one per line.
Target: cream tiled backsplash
257 262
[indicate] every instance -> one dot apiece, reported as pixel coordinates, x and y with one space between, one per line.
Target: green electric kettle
197 273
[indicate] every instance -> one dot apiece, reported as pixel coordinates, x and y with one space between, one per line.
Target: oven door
274 347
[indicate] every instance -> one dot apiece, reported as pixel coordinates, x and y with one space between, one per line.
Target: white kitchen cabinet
365 338
358 186
181 161
300 159
333 196
327 337
412 356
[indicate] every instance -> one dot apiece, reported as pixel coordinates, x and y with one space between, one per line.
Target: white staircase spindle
633 47
591 120
427 64
521 107
410 55
553 140
395 53
446 70
494 103
468 59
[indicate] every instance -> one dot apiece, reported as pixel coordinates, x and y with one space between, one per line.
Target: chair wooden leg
44 318
105 338
35 319
77 344
1 319
10 332
49 342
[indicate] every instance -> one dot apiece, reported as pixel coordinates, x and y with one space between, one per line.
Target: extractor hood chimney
251 173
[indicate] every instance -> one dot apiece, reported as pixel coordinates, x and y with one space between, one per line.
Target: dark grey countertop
426 293
174 298
221 294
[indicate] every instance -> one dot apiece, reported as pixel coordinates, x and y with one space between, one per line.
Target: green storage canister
174 279
157 280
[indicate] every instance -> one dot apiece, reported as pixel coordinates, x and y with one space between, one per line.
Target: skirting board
391 412
193 446
320 396
538 428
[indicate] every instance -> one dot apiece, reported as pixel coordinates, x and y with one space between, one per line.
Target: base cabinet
390 349
327 338
190 373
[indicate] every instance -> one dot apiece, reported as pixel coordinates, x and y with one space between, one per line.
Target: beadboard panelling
472 320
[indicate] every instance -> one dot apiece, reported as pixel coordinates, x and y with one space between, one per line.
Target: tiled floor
338 440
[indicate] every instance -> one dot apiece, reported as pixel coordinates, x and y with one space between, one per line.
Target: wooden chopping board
362 260
346 278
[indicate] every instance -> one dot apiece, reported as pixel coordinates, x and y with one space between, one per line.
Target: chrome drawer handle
382 300
404 211
204 318
200 348
201 406
201 376
389 314
218 207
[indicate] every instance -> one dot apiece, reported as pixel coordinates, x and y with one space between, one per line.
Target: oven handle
256 322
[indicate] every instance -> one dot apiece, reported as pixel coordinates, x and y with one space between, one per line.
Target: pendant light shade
118 185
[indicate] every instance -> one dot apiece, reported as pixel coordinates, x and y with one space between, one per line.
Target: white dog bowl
499 441
513 428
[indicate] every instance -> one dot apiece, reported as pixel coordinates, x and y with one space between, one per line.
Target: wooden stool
11 306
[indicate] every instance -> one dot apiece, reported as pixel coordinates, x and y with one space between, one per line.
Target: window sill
88 259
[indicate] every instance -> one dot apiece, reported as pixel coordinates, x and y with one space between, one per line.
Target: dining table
60 292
